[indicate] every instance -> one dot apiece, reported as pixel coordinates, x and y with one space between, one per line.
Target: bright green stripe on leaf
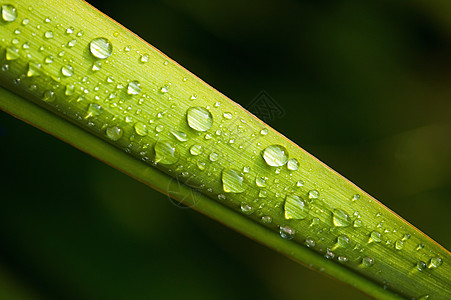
105 80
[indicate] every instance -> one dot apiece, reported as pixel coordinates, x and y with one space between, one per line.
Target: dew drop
367 262
375 236
275 155
227 115
309 242
67 70
267 219
12 53
48 59
181 136
399 245
357 223
246 209
343 241
101 48
313 194
295 208
264 131
300 183
232 182
33 69
141 129
421 265
340 218
342 259
355 197
246 169
435 262
48 34
260 181
70 90
196 150
25 22
96 66
49 96
213 156
293 164
199 118
134 88
165 153
114 133
159 128
419 247
144 58
71 43
94 109
287 232
9 13
164 89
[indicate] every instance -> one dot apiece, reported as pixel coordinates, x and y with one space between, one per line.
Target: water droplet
199 118
159 128
260 181
141 128
69 30
264 131
144 58
101 48
315 221
227 115
340 218
399 245
295 208
293 164
421 265
343 241
357 223
309 242
367 262
275 155
12 53
201 165
9 13
232 182
25 22
355 197
71 43
435 262
67 71
214 156
134 88
375 236
34 69
313 194
267 219
287 232
48 34
300 183
94 110
181 136
70 90
48 59
164 89
246 209
49 96
114 133
195 150
246 169
165 153
342 259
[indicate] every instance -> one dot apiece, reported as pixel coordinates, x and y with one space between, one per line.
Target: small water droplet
355 197
214 156
49 96
94 109
343 241
67 70
367 262
34 69
9 13
12 53
399 245
114 133
181 136
48 34
260 181
25 22
164 89
300 183
69 30
48 59
421 265
144 58
375 236
199 118
227 115
70 90
165 153
287 232
309 242
134 88
342 259
295 208
127 48
313 194
267 219
246 209
195 150
141 128
159 128
232 182
357 223
420 247
340 218
71 43
435 262
246 169
264 131
101 48
293 164
275 155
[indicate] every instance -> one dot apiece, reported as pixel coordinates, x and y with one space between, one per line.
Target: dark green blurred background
366 88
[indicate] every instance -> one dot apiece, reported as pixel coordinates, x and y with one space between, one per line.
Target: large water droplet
9 13
141 128
199 118
293 164
340 218
114 133
101 48
232 182
275 155
165 153
295 208
287 232
134 88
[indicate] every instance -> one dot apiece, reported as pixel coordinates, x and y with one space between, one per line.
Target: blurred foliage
366 88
